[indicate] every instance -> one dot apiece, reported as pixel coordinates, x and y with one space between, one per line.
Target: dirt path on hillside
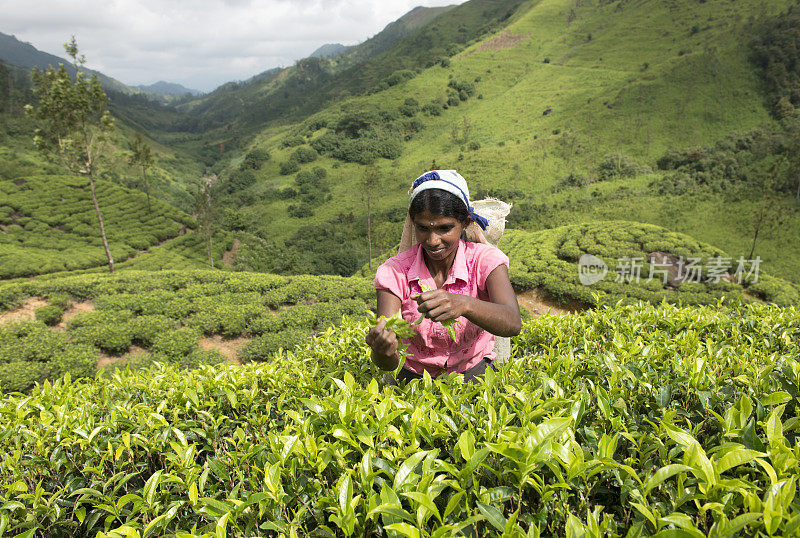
229 256
74 310
539 303
25 312
103 359
229 348
504 40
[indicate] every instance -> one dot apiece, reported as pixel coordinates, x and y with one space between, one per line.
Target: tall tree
73 123
142 157
203 209
370 182
767 214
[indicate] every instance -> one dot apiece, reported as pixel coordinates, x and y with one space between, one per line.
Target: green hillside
48 224
26 56
313 83
559 98
390 35
173 177
576 112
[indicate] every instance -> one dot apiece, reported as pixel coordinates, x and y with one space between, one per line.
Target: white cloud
198 43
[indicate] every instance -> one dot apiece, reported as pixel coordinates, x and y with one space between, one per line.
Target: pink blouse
432 349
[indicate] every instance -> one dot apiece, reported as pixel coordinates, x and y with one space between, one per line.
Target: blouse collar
458 271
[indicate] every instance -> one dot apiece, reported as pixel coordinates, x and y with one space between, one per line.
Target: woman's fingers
440 305
430 299
381 339
375 331
440 311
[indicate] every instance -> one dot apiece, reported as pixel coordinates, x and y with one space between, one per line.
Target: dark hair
439 202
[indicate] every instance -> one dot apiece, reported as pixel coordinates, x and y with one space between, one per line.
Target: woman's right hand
384 344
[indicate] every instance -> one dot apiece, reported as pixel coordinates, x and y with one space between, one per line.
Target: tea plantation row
166 313
632 420
48 224
644 263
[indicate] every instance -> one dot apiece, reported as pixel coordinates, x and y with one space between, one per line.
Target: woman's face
439 235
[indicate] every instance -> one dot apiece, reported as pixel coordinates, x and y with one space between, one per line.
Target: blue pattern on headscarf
434 176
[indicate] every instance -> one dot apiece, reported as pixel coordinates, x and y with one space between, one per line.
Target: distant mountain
328 50
16 52
167 88
413 41
392 33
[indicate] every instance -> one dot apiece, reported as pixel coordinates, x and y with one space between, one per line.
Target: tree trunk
755 234
210 247
146 189
102 228
369 231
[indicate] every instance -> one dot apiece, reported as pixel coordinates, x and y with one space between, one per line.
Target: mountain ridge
328 50
27 56
163 87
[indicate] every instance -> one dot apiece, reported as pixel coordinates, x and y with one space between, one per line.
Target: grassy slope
697 86
312 84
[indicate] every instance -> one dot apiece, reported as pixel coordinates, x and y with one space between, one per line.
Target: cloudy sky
198 43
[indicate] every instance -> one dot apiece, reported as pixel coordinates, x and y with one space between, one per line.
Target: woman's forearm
498 319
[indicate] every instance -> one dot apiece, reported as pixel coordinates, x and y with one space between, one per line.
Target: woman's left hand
440 305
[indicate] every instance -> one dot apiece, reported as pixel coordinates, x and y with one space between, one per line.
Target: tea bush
51 224
30 352
166 313
549 259
49 315
623 421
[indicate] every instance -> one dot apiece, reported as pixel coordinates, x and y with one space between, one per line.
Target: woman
468 282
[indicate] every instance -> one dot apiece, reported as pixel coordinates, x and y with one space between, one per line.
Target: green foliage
254 159
395 78
19 376
240 180
643 264
59 222
261 347
177 343
72 116
304 154
31 352
409 107
619 166
49 315
572 181
292 141
142 157
741 160
289 167
434 108
463 89
626 420
166 313
73 123
775 53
